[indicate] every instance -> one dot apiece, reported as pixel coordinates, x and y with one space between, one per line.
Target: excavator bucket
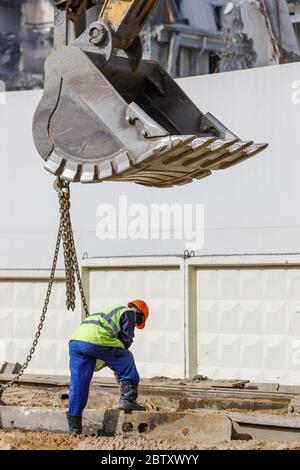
108 115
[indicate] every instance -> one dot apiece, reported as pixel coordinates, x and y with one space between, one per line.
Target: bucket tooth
202 142
176 172
171 146
250 151
241 159
190 153
235 152
205 154
256 148
88 174
121 163
216 152
239 147
55 164
178 157
184 146
220 145
199 148
71 171
104 170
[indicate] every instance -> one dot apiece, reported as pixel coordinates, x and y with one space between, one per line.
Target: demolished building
187 37
26 30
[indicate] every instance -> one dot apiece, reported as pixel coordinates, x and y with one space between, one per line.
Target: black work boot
129 394
75 424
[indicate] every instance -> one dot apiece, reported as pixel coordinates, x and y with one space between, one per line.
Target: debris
230 384
10 368
238 53
294 406
199 378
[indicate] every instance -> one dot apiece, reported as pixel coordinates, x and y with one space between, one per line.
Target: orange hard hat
143 307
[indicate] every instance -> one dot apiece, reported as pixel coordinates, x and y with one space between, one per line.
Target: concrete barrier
204 427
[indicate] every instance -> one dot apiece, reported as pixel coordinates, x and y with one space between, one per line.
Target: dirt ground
51 398
23 396
20 440
38 397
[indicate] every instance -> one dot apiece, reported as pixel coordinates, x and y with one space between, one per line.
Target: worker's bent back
102 328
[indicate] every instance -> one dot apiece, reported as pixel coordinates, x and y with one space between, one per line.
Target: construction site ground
21 440
46 397
262 415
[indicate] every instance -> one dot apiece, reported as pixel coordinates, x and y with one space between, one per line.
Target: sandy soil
33 397
23 396
36 397
19 440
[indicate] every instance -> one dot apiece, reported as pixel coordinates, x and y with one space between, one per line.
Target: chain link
71 262
64 201
72 271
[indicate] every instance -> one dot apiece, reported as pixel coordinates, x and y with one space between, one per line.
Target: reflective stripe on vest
91 322
98 323
103 328
108 317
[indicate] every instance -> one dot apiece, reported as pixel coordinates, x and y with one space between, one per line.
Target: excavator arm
107 114
126 19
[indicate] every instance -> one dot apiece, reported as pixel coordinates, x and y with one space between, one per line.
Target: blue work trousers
83 358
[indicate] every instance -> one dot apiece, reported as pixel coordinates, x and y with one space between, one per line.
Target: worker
103 339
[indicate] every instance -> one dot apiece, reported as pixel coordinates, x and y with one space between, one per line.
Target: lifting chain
72 272
71 262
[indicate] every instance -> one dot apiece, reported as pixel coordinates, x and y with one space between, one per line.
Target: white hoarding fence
233 317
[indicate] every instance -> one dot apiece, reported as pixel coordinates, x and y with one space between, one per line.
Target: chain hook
61 186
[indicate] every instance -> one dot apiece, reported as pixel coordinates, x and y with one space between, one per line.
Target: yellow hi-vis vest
102 328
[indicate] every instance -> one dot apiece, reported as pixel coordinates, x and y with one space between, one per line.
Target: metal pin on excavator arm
126 19
106 114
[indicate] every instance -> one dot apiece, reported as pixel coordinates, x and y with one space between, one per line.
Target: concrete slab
203 427
270 428
262 387
265 420
206 427
47 419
